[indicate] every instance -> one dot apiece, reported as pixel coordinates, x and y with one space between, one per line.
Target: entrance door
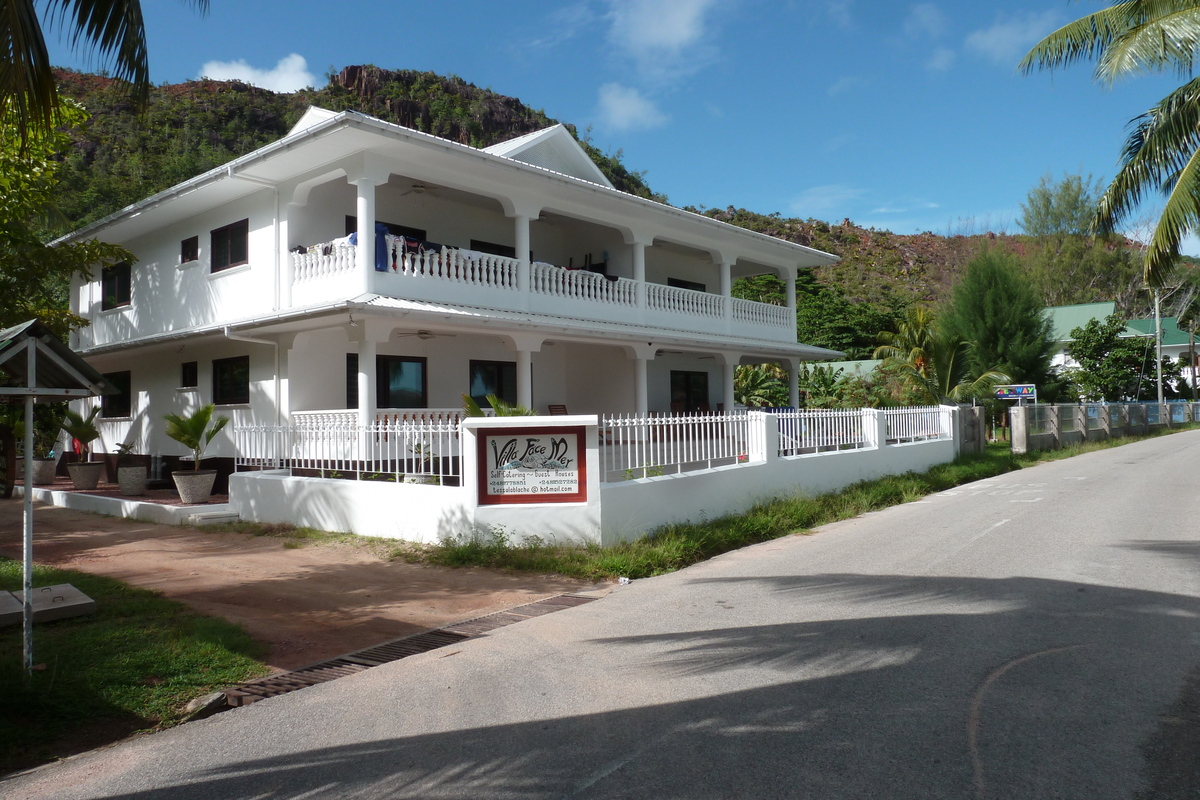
689 391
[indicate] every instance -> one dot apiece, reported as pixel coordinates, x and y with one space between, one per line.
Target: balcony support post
790 282
639 275
728 361
525 344
364 254
794 382
727 293
521 235
641 355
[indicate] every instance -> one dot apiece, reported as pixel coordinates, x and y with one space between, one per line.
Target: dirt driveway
308 603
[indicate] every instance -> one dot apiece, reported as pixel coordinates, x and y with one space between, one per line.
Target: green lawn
132 665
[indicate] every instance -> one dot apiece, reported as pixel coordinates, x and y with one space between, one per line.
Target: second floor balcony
413 271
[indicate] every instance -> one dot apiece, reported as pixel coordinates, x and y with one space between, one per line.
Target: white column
641 393
794 384
639 272
790 281
366 382
365 251
525 378
727 293
730 367
521 228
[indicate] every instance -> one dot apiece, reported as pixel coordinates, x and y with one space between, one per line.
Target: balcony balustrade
477 279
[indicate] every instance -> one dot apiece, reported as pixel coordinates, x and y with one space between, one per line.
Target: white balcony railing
489 281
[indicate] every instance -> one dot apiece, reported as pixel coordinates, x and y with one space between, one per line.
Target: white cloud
289 75
823 199
666 39
1009 39
941 59
925 20
845 84
623 108
563 24
840 12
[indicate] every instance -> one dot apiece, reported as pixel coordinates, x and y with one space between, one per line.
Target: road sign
1017 391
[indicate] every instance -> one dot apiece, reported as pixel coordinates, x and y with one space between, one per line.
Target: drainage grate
274 685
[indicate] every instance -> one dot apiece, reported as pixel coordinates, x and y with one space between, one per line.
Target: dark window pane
689 390
400 382
494 249
120 404
680 283
351 380
189 374
493 377
231 380
189 249
116 286
230 246
394 229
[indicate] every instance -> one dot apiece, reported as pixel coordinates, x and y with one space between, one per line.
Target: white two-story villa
357 267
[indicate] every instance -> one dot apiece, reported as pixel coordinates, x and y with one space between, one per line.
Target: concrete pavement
1022 637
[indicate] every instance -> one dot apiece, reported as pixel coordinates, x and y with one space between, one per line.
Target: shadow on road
932 688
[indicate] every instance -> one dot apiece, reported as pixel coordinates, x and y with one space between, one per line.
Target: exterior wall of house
167 295
155 374
664 262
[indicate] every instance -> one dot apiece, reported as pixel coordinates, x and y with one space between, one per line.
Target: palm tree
112 29
936 364
1163 148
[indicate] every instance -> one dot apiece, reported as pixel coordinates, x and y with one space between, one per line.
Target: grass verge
133 665
677 546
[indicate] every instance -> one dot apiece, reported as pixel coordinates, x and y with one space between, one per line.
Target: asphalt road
1030 636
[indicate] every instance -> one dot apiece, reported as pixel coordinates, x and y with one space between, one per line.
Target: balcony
471 278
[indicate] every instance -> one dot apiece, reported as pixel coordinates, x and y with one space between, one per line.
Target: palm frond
1162 37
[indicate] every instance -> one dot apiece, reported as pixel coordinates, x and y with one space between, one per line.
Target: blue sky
899 116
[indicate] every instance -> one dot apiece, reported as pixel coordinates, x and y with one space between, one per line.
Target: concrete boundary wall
611 512
1050 427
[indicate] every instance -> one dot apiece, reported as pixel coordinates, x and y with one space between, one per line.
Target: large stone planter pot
132 480
43 471
85 474
194 486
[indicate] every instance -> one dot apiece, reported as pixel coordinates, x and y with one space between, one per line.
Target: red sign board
532 465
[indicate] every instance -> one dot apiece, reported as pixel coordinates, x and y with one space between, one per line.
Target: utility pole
1158 347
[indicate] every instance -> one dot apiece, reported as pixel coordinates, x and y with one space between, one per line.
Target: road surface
1030 636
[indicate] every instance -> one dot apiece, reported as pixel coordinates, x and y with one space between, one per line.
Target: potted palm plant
195 432
45 461
131 478
85 473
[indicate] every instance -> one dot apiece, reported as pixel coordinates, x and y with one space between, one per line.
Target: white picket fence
641 447
915 424
337 446
818 430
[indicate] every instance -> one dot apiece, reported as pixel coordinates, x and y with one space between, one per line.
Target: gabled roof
58 372
554 149
1064 319
1171 334
311 117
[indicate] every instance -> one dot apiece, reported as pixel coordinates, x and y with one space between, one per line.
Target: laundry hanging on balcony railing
381 246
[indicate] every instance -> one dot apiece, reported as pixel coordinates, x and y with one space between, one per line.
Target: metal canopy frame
49 370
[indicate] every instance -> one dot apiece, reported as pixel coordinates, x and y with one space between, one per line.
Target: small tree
1002 318
1112 366
501 408
195 432
82 429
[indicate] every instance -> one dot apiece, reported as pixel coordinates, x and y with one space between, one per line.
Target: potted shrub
195 432
131 478
85 473
45 460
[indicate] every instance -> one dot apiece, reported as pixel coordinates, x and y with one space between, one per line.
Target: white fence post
763 444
